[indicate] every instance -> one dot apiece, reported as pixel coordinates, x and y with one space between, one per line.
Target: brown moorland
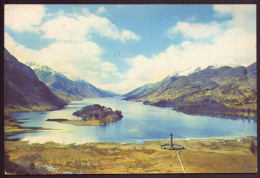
218 155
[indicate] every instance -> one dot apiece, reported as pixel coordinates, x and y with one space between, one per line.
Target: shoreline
204 112
227 154
14 128
143 142
96 157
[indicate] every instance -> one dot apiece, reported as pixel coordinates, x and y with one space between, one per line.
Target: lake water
140 123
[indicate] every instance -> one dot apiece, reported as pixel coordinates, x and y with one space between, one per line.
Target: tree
96 115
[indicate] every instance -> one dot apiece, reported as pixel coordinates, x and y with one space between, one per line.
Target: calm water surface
140 122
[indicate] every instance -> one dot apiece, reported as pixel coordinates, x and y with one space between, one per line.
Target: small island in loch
93 115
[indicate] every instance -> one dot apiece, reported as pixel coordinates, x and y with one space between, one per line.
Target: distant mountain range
23 91
223 91
64 87
110 93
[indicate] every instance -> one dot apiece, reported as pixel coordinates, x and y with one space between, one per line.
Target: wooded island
93 115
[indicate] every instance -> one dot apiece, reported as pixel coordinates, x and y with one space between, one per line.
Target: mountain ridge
224 91
23 90
64 87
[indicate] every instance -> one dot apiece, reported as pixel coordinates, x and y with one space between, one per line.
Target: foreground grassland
219 155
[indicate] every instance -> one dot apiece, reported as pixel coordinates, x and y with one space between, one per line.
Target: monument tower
171 140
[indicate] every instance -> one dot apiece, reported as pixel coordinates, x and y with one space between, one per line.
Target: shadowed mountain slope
23 91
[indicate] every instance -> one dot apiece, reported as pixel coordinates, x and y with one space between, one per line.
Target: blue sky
121 47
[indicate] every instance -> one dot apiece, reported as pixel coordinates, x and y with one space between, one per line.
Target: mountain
149 88
110 93
152 87
89 90
64 87
139 90
23 90
223 91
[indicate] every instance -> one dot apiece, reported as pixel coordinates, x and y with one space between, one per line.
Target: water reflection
140 122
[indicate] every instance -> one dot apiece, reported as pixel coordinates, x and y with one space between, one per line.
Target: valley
224 92
130 89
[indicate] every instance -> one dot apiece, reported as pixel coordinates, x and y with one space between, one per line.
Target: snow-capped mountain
64 87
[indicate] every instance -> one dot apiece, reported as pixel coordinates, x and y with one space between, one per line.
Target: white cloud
232 45
85 11
108 67
82 27
71 57
101 10
17 50
127 35
23 18
75 60
64 28
72 53
195 30
243 16
232 42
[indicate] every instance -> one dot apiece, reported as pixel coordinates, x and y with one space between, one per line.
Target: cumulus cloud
81 27
101 10
23 18
19 51
108 67
73 51
71 57
230 43
243 16
62 56
64 28
195 30
75 60
78 26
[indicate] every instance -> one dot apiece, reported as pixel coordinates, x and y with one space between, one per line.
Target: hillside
139 90
110 93
23 90
223 91
64 87
149 88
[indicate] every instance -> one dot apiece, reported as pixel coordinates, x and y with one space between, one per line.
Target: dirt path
178 154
